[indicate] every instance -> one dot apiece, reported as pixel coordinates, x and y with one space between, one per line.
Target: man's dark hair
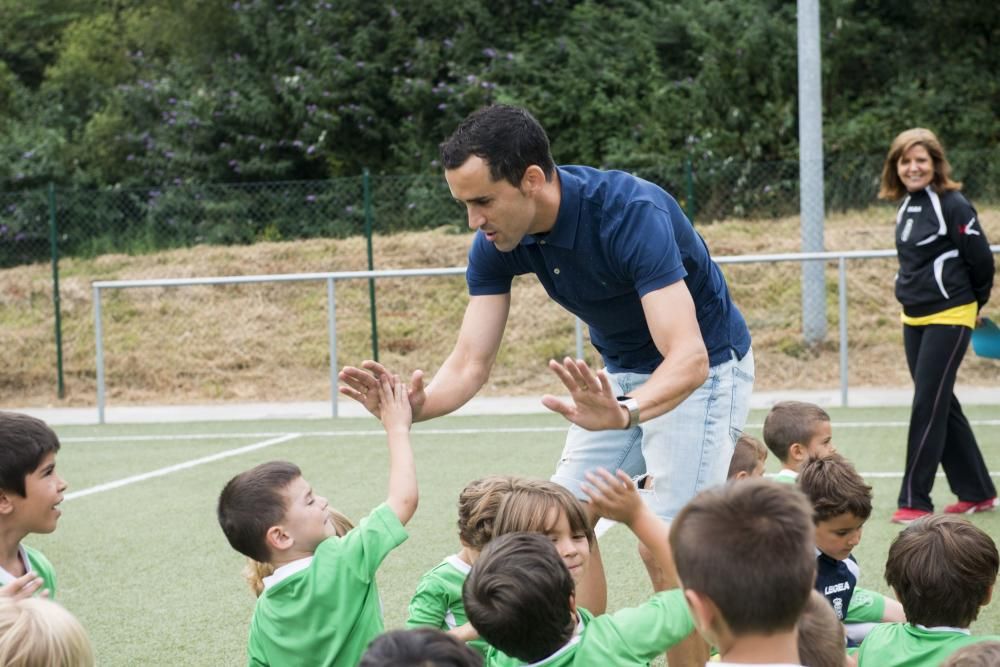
748 546
834 487
507 138
517 596
423 647
253 502
24 442
942 568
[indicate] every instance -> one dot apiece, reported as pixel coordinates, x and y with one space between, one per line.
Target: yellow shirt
962 315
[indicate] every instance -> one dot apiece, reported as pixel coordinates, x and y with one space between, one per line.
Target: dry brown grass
268 342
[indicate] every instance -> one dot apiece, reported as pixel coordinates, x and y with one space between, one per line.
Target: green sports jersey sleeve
865 607
326 613
636 635
41 565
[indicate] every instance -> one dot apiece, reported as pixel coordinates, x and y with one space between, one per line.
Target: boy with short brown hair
943 569
842 503
795 431
744 556
749 458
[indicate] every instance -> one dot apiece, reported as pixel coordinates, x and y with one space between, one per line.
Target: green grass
147 570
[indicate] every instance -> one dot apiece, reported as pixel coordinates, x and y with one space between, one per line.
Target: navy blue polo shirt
616 238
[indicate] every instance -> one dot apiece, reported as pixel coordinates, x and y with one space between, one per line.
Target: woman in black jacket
944 279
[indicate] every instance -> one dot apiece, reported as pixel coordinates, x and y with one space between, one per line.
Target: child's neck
468 555
776 648
10 544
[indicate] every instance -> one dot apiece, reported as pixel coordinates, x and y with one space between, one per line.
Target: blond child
749 458
35 632
795 432
521 595
321 604
437 601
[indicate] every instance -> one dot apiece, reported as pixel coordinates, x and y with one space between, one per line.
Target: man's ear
278 539
533 180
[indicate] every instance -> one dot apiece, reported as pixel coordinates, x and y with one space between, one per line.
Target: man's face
306 517
37 511
504 213
837 536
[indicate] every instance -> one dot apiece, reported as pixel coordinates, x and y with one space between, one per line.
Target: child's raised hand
613 496
396 413
24 587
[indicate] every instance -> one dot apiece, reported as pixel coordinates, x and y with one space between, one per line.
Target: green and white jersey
34 561
786 476
324 610
907 645
865 607
437 603
632 636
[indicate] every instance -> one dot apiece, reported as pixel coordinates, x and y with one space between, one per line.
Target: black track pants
939 431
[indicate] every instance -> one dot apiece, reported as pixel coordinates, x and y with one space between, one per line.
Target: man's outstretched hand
594 405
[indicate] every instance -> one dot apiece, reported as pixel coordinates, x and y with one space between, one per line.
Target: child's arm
615 497
893 612
397 417
464 633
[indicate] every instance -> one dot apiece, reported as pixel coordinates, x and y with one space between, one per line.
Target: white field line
434 431
160 472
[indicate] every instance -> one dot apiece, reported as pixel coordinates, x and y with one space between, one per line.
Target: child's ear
278 540
6 506
702 609
797 453
988 597
742 474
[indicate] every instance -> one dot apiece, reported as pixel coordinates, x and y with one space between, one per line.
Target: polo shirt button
556 270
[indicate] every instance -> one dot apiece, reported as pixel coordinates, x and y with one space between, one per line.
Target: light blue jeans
685 450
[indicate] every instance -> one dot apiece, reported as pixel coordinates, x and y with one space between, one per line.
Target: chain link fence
172 345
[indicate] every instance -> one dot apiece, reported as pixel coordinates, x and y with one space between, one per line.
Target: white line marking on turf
434 431
178 466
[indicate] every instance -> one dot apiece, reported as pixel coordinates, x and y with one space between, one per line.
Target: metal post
99 360
54 244
689 183
579 339
811 170
842 305
331 313
366 182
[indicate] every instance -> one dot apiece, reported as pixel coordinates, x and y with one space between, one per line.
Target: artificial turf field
141 560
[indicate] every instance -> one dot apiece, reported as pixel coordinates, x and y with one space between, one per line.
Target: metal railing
332 277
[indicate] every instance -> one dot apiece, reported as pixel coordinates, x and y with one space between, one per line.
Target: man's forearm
670 384
452 387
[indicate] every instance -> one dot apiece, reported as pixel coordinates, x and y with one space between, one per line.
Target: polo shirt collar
563 233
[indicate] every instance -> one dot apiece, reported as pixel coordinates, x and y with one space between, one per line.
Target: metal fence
332 278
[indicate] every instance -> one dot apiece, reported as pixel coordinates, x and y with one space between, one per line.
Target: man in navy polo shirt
618 252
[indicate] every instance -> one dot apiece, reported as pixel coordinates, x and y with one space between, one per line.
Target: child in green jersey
521 596
30 492
795 432
321 605
437 601
39 632
943 569
745 560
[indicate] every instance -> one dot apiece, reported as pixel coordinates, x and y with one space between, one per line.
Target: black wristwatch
632 406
